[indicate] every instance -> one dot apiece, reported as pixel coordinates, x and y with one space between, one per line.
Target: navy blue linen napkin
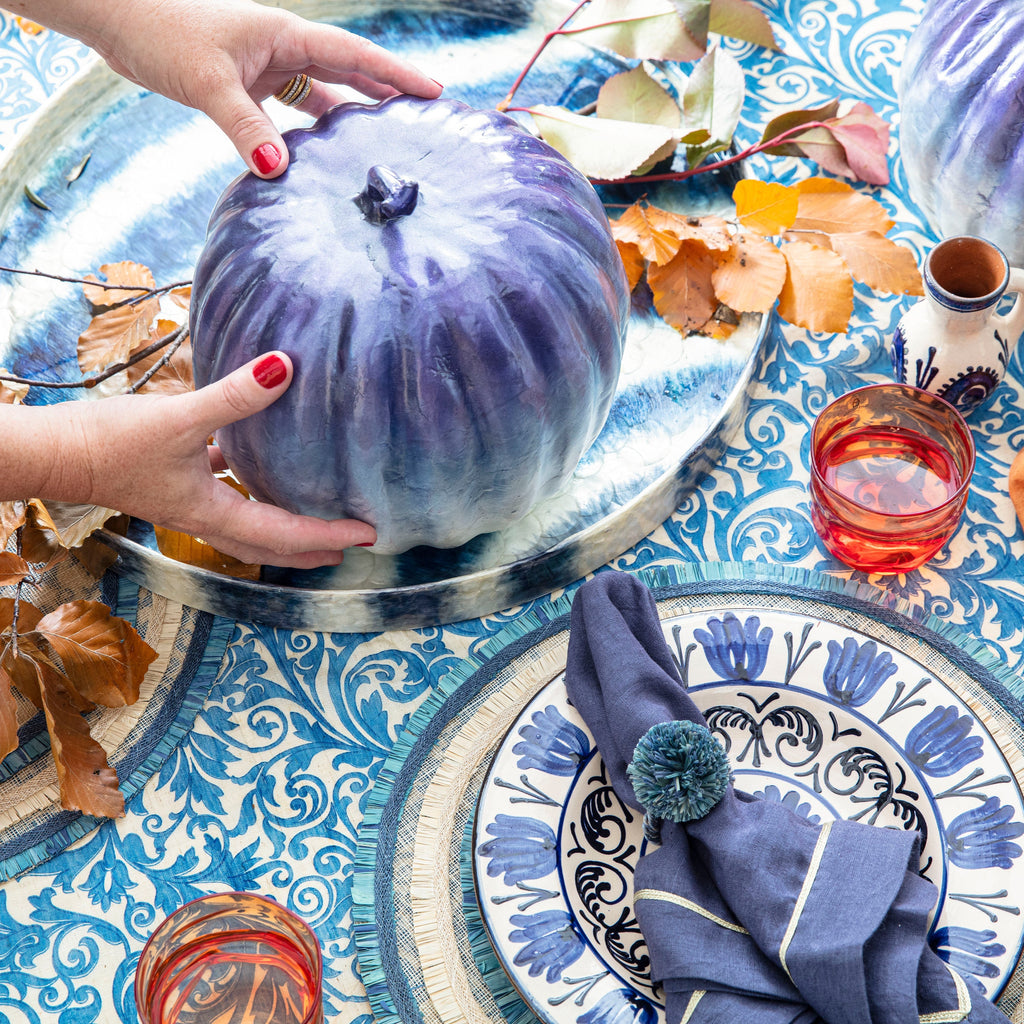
752 913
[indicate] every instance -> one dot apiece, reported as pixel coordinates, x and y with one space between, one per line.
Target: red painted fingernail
270 371
266 157
366 544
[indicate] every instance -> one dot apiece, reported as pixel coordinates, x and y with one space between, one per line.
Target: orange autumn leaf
31 28
750 277
87 782
711 230
192 551
633 261
182 296
656 246
765 206
1016 485
683 292
833 206
879 262
818 293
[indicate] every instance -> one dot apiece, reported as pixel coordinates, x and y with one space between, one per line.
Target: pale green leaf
639 29
713 100
601 147
636 96
740 19
697 16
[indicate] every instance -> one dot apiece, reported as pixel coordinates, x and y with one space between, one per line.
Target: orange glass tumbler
234 957
890 473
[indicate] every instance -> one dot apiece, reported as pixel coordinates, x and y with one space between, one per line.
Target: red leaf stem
786 136
503 105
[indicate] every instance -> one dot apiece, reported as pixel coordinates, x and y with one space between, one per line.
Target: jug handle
1012 322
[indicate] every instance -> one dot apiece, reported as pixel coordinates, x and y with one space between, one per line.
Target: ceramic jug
955 341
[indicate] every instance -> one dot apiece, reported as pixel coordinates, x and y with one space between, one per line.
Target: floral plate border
424 955
825 718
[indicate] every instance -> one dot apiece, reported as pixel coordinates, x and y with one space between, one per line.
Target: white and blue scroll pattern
787 699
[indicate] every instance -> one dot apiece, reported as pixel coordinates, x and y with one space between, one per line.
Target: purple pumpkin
962 120
455 306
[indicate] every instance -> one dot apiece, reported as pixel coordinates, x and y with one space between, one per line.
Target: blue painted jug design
953 342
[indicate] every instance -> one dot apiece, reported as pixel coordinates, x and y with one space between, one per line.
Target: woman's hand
225 57
146 455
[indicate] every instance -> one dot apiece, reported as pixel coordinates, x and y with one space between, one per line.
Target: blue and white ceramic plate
829 721
154 173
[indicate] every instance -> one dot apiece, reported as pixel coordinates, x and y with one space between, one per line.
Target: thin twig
175 336
504 104
704 168
174 341
17 597
146 293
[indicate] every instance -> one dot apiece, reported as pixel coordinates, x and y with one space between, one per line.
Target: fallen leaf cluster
66 662
644 116
79 656
803 245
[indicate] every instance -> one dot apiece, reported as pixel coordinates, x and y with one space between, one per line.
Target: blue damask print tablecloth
269 789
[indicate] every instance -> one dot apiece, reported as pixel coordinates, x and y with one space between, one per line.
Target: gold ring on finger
295 90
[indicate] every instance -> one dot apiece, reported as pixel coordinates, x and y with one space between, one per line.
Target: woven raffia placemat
137 738
424 955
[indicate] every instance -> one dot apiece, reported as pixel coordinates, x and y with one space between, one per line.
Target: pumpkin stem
386 195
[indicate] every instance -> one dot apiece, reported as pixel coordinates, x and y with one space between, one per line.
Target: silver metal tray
156 170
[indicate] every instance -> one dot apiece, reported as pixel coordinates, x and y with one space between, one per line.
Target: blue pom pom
679 771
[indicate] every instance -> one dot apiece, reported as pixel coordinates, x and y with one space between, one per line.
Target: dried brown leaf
73 523
818 293
10 392
8 715
192 551
136 279
28 616
182 296
115 333
18 671
40 538
751 275
103 656
13 568
87 782
173 378
95 553
12 515
879 262
682 288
